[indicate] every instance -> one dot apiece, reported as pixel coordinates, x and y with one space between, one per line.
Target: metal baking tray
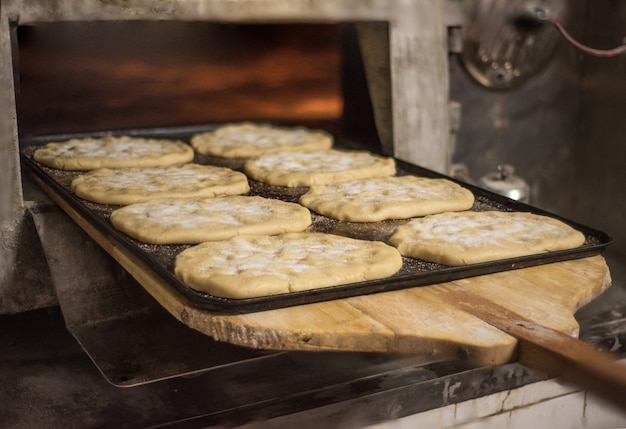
414 272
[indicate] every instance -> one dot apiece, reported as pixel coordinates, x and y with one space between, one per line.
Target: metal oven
457 87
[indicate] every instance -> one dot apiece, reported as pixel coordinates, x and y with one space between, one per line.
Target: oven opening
102 75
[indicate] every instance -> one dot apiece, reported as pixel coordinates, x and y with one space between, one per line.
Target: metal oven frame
405 48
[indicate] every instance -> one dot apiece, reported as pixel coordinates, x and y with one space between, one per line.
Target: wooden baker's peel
524 315
551 352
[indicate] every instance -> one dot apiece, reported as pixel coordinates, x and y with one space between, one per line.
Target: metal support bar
10 186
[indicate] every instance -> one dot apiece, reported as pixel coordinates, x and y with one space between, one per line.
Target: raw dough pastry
372 200
318 168
254 265
113 152
471 237
245 140
134 185
194 221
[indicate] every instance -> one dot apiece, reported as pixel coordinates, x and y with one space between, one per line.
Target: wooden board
419 320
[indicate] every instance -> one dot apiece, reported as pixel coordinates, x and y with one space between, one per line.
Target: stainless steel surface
505 182
129 336
25 281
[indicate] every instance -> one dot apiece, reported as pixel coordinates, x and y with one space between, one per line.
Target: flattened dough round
246 140
113 152
471 237
135 185
373 200
254 265
194 221
318 168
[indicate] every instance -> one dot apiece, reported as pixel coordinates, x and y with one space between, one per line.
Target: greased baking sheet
414 272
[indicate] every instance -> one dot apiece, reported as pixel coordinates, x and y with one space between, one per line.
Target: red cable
591 51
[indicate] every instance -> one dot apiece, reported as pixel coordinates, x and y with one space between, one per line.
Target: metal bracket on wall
504 45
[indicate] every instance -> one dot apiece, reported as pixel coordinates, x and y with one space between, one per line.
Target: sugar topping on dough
247 139
193 221
471 237
376 199
133 185
113 152
249 266
318 168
